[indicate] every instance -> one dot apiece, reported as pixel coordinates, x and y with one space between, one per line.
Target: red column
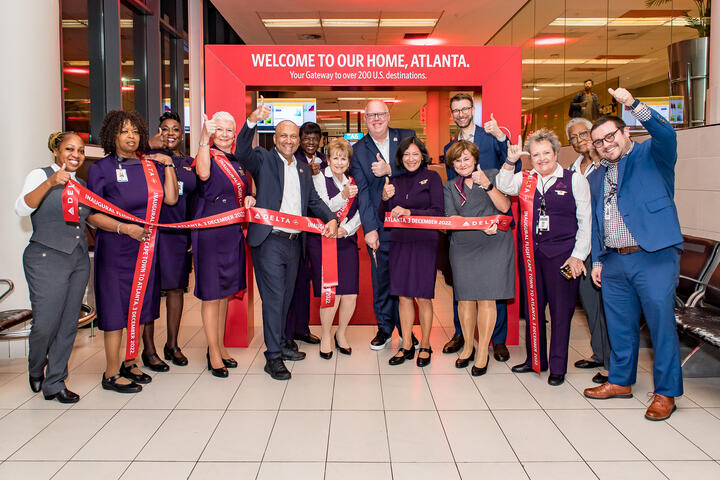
437 126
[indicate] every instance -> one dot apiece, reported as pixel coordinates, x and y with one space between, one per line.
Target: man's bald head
286 139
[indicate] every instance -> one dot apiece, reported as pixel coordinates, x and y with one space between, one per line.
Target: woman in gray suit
56 267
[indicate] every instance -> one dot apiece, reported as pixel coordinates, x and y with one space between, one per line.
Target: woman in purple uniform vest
120 179
173 249
561 232
339 193
413 252
219 252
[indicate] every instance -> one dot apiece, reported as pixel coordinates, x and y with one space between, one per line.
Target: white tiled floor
351 418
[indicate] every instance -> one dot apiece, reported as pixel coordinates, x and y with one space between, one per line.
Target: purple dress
116 254
218 253
174 244
413 252
347 253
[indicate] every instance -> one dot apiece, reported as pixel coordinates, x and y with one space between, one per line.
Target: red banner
526 198
448 223
230 173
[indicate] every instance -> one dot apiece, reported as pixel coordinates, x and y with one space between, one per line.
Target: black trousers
276 265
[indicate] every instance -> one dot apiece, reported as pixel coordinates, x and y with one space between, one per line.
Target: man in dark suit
636 245
297 324
492 145
373 161
284 185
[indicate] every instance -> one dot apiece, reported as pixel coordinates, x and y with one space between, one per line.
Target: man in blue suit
492 145
373 161
636 245
284 185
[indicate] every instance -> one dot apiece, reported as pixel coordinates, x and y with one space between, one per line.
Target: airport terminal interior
359 416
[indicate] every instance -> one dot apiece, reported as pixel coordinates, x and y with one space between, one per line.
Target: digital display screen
297 110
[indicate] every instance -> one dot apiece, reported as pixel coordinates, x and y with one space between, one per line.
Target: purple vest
560 207
333 190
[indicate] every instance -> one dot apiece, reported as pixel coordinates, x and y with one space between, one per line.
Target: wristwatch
635 104
204 144
489 187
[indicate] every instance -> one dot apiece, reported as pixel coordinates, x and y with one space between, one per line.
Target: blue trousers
384 305
298 316
500 333
634 285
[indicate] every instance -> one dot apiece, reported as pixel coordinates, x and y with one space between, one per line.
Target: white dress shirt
33 180
575 167
291 201
351 225
384 147
510 184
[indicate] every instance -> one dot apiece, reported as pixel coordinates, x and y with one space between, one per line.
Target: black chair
695 268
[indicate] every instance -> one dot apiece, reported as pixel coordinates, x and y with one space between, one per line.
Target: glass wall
76 68
612 43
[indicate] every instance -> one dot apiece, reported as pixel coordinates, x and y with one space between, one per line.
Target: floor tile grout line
332 402
384 410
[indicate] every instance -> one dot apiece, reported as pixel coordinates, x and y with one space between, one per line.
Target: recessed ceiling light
350 22
408 22
549 41
291 22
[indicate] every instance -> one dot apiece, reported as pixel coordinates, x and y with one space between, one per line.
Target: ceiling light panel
349 22
408 22
291 22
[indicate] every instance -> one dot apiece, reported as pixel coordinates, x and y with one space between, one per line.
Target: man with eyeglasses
492 147
373 162
636 250
578 132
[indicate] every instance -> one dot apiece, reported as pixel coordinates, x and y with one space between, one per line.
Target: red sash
526 199
448 223
227 168
329 259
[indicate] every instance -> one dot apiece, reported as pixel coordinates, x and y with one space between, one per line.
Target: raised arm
36 186
244 152
202 159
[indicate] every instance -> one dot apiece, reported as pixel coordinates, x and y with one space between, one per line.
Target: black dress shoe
406 355
176 355
229 362
587 364
111 384
556 379
292 345
221 372
454 344
326 355
158 366
36 383
126 371
522 368
477 372
423 361
277 369
380 341
292 355
343 350
415 340
500 352
600 378
307 338
64 396
464 362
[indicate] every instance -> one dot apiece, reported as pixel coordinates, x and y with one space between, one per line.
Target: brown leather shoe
608 390
454 345
500 352
661 408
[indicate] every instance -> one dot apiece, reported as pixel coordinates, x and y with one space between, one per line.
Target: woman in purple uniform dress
339 193
173 249
120 179
413 252
219 252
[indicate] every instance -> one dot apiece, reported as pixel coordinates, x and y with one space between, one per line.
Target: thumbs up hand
622 96
261 113
209 128
480 178
491 127
60 177
388 190
380 167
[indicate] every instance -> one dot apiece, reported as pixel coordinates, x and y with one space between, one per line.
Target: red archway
231 69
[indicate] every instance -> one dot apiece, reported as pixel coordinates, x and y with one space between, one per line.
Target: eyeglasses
606 139
458 111
373 116
580 136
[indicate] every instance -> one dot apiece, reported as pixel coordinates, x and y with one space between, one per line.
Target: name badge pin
121 175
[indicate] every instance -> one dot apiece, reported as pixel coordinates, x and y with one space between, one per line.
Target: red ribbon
448 223
227 168
526 199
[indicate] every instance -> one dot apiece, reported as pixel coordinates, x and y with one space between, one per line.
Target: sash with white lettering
448 223
526 199
329 260
227 168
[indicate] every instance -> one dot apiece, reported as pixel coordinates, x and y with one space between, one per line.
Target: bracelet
507 162
489 187
204 144
117 230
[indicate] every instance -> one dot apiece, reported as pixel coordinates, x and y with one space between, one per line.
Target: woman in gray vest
56 267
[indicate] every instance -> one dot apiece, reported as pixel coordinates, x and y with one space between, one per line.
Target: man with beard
492 146
585 104
636 245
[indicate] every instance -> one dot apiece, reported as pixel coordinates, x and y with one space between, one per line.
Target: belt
626 250
288 235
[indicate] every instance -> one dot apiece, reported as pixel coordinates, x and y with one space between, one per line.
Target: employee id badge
121 175
180 187
543 224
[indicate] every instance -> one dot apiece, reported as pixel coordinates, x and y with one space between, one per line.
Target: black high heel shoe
326 355
344 351
423 361
175 355
407 354
477 372
229 362
221 372
464 362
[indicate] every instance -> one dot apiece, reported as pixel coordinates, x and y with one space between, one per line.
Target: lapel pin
301 170
394 139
